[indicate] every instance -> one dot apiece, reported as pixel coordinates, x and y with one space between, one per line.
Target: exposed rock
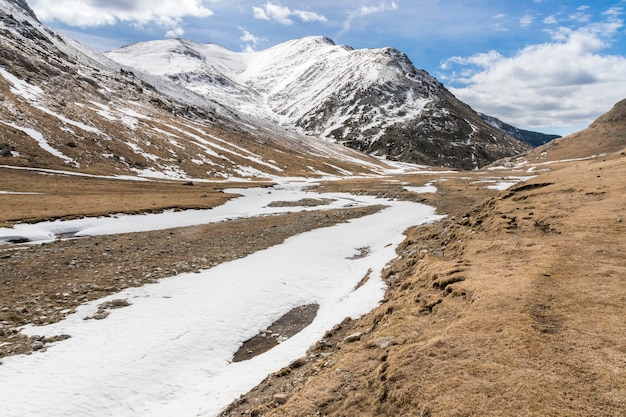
354 337
100 315
117 303
384 342
281 398
6 150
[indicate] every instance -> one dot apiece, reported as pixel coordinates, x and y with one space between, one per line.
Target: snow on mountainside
67 107
373 100
531 138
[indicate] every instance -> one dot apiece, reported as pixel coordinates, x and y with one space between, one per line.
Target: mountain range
373 100
67 107
531 138
180 109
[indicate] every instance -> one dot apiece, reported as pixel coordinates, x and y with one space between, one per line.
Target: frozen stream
169 352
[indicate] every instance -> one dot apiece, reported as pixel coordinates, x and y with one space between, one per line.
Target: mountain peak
320 40
373 100
324 39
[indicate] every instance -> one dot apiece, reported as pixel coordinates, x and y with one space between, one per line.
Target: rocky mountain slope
373 100
67 107
528 137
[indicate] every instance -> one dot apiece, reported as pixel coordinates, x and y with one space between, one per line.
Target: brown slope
512 309
605 135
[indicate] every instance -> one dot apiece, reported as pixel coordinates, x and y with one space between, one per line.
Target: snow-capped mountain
373 100
67 107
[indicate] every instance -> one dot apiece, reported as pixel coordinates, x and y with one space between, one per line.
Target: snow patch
22 88
42 142
428 188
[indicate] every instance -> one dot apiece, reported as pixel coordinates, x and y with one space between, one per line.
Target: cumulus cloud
284 15
94 13
176 32
567 79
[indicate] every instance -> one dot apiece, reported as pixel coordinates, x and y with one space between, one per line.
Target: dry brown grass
513 308
67 196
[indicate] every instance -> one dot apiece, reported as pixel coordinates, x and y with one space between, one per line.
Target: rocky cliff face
373 100
22 6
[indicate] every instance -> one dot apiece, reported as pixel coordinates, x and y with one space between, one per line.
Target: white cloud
526 20
284 15
278 13
259 13
568 79
483 60
251 42
550 20
310 16
366 11
175 33
94 13
613 12
580 15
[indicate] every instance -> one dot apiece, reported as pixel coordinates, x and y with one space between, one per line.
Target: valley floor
511 305
514 307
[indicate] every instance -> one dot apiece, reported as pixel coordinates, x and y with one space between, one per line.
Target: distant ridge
529 137
66 107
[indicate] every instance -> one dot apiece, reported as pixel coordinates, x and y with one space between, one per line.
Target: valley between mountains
513 300
310 230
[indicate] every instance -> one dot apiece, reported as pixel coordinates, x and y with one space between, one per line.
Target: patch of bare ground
282 329
513 306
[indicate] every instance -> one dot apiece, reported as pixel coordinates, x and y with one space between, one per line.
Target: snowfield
170 351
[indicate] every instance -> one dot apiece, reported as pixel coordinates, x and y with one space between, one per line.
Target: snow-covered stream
169 352
254 202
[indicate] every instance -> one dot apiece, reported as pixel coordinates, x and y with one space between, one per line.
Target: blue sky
551 66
